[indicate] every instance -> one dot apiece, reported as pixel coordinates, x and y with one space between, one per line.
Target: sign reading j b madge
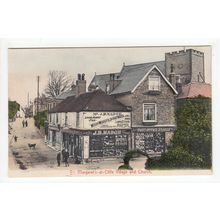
107 120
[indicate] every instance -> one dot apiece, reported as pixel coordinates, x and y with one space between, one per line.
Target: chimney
80 84
172 79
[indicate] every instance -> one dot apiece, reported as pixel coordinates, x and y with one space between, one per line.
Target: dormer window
154 83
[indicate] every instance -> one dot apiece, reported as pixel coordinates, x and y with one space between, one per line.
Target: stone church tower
185 66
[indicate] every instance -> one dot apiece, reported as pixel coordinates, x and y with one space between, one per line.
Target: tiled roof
90 101
195 89
100 80
131 75
66 94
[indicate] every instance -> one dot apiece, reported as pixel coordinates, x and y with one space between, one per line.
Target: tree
58 82
13 107
194 128
192 141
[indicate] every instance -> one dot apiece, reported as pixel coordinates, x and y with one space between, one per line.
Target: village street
41 161
40 156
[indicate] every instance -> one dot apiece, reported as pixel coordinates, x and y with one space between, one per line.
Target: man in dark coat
66 158
15 138
58 159
63 154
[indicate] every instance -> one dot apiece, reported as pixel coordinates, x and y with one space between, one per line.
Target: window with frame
149 112
154 83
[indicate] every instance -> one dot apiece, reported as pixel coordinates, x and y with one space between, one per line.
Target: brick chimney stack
80 84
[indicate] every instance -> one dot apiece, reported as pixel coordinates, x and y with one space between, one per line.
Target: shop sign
107 120
155 129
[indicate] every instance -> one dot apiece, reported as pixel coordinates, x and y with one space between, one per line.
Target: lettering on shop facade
107 120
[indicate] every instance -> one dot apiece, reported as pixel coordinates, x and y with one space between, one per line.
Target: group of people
65 157
24 123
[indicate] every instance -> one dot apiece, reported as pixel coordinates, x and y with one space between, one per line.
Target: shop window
154 83
149 113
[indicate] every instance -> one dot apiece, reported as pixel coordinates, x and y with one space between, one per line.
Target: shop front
109 143
153 140
85 144
72 141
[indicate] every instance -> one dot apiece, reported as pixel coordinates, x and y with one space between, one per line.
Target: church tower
187 65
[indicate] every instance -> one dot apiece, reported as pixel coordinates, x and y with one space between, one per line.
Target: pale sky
25 64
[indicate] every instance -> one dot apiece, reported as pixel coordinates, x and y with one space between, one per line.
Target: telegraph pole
38 80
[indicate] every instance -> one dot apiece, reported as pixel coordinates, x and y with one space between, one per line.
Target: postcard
110 111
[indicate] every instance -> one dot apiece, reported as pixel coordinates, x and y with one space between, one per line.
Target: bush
13 108
40 118
193 132
177 157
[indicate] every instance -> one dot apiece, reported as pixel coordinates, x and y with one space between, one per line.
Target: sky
24 65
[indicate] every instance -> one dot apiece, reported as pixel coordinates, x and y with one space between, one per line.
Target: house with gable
151 97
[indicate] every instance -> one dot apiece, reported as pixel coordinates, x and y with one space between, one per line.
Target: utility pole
38 80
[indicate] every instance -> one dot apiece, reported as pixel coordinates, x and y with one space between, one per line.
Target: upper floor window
149 112
154 83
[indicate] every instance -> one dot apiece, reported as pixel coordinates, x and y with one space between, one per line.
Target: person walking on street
63 154
23 123
58 159
15 138
26 123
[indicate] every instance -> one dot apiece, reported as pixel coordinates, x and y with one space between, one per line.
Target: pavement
41 161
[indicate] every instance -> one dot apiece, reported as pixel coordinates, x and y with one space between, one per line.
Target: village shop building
151 97
92 125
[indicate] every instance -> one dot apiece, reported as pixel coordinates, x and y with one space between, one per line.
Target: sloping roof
90 101
131 75
100 80
66 94
195 89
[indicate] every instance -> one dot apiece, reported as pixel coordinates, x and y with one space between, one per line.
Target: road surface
42 155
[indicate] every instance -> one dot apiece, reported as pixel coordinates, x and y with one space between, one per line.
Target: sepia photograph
110 111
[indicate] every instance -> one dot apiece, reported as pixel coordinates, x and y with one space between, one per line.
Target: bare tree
58 82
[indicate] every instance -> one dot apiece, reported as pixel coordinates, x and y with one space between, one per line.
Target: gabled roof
66 94
100 80
195 89
90 101
131 75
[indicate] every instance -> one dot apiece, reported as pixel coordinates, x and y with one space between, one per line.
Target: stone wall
165 103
